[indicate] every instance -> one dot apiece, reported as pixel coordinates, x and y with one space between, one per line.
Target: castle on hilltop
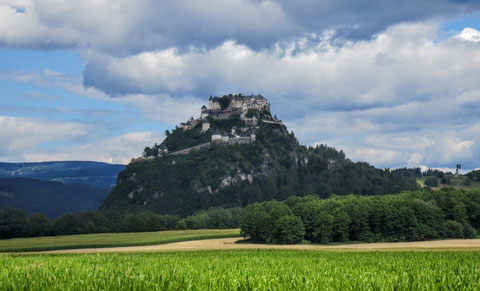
250 109
227 106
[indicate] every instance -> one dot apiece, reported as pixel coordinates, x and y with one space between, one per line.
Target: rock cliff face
272 166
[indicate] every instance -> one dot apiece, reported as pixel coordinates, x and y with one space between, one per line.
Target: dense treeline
474 175
14 222
418 173
409 216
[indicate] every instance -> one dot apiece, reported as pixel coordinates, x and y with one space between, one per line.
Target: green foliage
244 270
409 216
431 181
474 175
38 225
13 223
261 223
277 167
289 229
180 139
251 113
181 225
215 218
323 228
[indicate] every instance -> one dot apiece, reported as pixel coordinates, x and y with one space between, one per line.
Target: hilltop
237 153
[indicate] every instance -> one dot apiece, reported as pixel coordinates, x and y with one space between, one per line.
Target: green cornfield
243 270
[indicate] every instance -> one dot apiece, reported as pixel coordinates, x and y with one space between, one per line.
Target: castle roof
224 134
239 97
204 107
216 132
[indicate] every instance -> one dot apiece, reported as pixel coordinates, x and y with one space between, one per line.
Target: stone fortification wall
239 140
186 151
273 122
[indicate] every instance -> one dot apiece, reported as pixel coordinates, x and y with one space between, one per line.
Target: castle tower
216 136
225 137
204 113
205 125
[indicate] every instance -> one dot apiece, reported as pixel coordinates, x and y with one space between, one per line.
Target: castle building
216 136
213 103
225 137
204 114
240 103
205 125
253 121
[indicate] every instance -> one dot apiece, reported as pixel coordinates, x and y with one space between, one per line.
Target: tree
453 229
12 223
289 229
147 152
341 226
254 222
323 228
38 225
67 224
431 181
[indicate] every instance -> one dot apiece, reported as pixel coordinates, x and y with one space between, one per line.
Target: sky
392 83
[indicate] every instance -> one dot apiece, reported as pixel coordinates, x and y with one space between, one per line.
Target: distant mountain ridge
95 174
50 198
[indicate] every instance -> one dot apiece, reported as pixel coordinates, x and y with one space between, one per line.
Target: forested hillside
275 166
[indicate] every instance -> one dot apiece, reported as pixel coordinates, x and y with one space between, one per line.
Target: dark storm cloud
362 19
132 27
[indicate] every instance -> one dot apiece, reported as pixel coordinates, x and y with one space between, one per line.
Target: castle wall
239 140
186 151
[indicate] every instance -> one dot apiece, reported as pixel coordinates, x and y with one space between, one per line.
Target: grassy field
111 239
243 270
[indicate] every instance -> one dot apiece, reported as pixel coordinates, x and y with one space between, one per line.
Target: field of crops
111 239
243 270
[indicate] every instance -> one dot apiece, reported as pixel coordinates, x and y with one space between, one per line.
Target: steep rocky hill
236 154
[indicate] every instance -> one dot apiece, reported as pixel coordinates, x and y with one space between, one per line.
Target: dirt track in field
230 243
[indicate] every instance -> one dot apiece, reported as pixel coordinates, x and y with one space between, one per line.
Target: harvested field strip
105 240
230 243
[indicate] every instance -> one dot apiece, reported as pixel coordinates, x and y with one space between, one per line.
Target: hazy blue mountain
95 174
50 198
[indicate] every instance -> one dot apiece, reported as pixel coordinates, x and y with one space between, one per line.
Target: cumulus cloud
374 78
23 135
118 149
28 139
405 63
126 27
